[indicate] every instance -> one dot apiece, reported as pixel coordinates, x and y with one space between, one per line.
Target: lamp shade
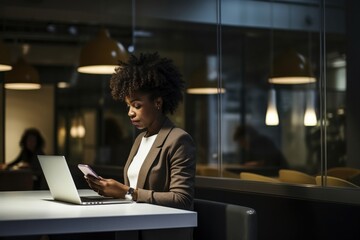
101 55
204 79
200 84
22 77
291 68
5 64
272 116
310 114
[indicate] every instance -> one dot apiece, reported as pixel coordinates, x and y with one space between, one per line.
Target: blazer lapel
153 153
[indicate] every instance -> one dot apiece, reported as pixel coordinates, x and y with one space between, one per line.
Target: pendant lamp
291 67
204 80
77 129
22 76
5 63
310 114
272 116
101 55
200 84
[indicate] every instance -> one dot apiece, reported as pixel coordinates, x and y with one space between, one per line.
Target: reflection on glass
258 149
310 114
193 40
272 116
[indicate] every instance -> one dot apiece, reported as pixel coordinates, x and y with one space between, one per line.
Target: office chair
257 177
335 182
345 173
293 176
217 220
209 171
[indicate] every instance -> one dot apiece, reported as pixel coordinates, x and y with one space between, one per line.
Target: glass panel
233 46
2 110
252 46
186 31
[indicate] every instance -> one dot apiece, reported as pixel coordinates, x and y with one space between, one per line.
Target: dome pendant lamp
291 68
205 79
22 77
4 58
101 55
200 84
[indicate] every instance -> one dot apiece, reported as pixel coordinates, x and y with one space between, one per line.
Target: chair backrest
293 176
218 220
19 180
335 182
257 177
343 172
214 172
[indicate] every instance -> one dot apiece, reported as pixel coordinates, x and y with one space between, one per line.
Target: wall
24 109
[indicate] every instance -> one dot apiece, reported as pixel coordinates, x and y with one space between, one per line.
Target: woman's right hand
107 187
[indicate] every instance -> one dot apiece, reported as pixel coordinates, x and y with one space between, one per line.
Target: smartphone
87 170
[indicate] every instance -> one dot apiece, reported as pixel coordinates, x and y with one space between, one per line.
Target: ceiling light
200 84
73 30
204 80
291 68
101 55
22 77
63 85
272 116
310 114
5 63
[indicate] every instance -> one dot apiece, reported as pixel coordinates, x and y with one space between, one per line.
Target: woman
32 144
161 165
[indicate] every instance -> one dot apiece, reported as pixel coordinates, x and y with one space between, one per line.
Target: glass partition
2 97
249 122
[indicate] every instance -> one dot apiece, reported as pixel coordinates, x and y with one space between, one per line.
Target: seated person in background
32 144
258 149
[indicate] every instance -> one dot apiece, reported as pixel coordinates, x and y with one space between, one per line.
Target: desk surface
34 212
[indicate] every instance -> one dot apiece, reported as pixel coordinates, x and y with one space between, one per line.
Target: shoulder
175 132
179 137
179 132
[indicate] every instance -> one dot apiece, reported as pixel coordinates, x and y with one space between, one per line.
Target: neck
156 126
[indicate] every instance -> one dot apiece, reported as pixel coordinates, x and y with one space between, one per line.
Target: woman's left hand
107 187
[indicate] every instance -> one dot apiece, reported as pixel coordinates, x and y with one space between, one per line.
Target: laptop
62 186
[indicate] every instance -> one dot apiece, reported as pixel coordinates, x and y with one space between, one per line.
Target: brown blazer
167 175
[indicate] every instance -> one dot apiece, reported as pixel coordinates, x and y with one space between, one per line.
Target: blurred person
258 149
32 144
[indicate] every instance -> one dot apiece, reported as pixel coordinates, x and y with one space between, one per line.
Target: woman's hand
107 187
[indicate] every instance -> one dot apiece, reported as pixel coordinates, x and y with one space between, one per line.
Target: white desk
35 213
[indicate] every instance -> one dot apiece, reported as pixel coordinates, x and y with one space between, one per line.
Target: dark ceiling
56 30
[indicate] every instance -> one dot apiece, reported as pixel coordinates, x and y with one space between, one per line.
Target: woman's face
31 143
143 112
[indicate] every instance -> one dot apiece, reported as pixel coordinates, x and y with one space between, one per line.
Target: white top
139 158
35 213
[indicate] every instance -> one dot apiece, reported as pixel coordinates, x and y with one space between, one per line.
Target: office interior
248 128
